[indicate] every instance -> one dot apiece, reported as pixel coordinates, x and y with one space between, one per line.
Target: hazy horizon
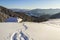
31 4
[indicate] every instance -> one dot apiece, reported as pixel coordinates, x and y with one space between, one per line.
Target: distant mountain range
35 15
20 10
38 12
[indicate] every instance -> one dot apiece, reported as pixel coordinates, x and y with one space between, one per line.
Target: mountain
39 12
6 13
55 16
20 10
3 16
30 16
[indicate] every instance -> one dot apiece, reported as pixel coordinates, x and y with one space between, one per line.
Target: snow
49 30
19 20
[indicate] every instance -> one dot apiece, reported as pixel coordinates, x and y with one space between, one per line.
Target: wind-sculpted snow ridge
20 35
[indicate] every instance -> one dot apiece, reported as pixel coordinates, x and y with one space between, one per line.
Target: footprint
25 26
14 36
19 36
24 36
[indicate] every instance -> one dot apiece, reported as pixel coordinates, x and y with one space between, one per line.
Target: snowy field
49 30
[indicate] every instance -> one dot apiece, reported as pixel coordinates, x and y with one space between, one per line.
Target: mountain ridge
23 15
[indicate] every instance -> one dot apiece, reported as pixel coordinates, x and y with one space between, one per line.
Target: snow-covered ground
49 30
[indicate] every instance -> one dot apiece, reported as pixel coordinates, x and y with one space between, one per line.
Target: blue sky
30 4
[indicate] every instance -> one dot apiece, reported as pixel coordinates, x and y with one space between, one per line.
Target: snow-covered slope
49 30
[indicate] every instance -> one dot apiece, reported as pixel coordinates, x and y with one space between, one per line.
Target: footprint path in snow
20 35
25 26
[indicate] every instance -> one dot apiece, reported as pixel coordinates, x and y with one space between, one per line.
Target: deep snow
49 30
